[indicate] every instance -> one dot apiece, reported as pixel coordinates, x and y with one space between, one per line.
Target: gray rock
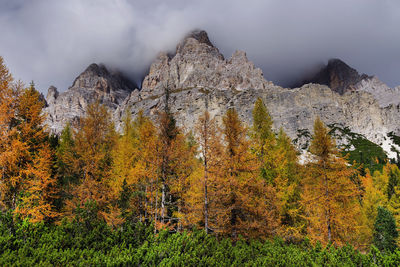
96 83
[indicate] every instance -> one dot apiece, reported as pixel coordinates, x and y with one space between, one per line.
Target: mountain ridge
198 74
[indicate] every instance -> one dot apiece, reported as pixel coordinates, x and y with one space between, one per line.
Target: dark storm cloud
51 41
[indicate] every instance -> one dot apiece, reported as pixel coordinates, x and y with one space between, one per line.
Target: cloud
52 41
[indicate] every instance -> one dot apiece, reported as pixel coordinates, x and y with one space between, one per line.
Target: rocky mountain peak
339 76
97 77
201 36
197 77
95 83
52 95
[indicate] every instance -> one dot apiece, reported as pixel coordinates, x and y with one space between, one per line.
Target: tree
372 198
287 183
385 233
208 142
167 133
41 189
147 166
33 186
330 198
12 148
94 140
393 173
66 171
279 167
262 126
246 204
199 196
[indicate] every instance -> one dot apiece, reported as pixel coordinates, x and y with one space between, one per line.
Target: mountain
96 83
339 76
198 77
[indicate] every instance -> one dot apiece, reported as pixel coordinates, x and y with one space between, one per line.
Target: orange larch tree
12 148
94 140
246 204
33 164
330 198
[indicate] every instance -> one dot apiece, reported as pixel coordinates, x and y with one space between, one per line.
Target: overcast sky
52 41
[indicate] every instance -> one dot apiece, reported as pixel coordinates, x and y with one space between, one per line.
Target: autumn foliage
227 177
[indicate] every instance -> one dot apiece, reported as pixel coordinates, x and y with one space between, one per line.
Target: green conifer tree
385 233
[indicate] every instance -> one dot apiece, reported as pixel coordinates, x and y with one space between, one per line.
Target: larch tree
199 198
330 198
94 140
372 198
67 174
261 132
279 167
122 179
12 149
147 167
31 188
246 204
287 183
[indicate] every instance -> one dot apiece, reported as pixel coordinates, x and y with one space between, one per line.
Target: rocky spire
201 36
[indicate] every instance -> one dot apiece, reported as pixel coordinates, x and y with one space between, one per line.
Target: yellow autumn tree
199 198
372 197
147 166
330 198
122 178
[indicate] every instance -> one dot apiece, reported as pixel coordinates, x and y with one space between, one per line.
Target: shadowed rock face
198 77
339 76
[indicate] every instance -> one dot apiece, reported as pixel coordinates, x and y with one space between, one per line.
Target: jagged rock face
339 76
96 83
381 92
199 64
198 77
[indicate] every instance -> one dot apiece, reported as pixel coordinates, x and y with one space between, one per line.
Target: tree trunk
328 211
145 203
155 211
163 202
205 195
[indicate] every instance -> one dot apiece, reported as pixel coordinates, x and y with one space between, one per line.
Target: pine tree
329 196
385 233
393 173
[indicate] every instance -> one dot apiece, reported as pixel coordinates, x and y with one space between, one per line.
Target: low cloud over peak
51 41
